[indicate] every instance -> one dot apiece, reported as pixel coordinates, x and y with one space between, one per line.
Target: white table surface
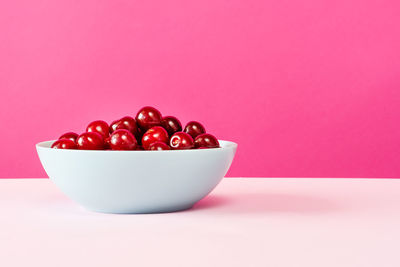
244 222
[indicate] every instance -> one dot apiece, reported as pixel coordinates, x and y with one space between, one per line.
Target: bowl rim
46 145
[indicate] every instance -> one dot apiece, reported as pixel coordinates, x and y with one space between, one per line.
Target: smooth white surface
136 181
244 222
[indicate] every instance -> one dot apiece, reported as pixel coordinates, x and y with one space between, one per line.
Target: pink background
306 87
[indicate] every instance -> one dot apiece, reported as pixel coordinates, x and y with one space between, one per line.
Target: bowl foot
142 210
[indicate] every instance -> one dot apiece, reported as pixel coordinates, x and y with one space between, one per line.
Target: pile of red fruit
148 131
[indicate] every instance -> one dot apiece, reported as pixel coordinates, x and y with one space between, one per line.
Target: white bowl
136 181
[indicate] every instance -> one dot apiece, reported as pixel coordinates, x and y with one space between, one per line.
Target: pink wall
306 87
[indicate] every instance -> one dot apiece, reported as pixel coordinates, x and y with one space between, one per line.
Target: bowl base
144 211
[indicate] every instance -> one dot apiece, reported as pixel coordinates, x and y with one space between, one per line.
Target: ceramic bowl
136 181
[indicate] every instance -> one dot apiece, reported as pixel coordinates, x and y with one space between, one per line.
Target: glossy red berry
171 124
127 123
107 144
139 136
90 141
64 144
206 140
70 135
181 140
122 140
148 117
194 128
155 134
100 127
159 146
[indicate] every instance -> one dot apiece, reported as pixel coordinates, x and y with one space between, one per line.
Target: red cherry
155 134
100 127
206 140
64 144
127 123
194 128
139 136
171 124
148 117
181 140
159 146
70 135
90 141
107 144
123 140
